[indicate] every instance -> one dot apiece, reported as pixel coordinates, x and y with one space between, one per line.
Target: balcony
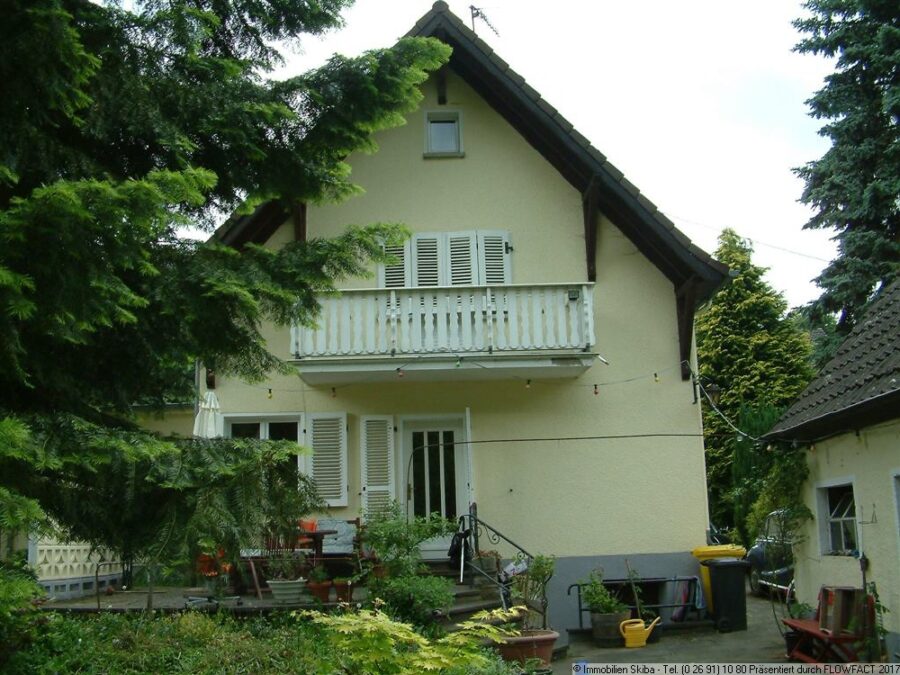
449 333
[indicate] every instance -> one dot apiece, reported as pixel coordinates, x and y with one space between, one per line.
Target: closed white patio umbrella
209 422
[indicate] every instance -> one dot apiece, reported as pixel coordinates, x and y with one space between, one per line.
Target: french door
433 471
437 474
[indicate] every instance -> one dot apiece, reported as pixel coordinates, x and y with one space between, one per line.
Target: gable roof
694 274
582 165
860 386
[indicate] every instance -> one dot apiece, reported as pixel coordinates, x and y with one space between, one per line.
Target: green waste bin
702 553
727 577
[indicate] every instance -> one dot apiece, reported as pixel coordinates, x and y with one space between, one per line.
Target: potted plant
319 583
343 589
489 563
607 611
393 539
285 580
529 589
643 628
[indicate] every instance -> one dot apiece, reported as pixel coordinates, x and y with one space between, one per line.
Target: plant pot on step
605 627
529 644
320 590
287 591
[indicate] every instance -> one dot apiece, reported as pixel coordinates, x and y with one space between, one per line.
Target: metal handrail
493 534
689 605
479 528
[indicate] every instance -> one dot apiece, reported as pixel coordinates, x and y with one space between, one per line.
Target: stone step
465 591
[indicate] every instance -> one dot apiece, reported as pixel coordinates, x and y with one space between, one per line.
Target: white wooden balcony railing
456 320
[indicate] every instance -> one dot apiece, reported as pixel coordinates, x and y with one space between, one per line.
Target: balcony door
436 465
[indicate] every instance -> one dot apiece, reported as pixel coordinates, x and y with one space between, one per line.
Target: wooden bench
844 618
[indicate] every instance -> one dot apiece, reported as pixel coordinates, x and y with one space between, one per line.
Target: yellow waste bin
702 553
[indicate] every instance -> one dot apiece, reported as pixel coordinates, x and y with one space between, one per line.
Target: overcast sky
701 103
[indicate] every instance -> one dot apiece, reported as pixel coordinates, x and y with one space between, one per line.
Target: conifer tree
854 188
119 125
758 358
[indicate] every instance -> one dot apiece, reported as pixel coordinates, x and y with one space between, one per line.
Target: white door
436 477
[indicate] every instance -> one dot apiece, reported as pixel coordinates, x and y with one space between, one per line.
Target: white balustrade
453 320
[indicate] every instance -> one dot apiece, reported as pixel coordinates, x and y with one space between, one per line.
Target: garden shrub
413 598
19 595
186 643
369 642
307 642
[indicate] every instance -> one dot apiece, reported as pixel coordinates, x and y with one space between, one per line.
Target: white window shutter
462 259
377 462
398 274
493 258
426 260
327 437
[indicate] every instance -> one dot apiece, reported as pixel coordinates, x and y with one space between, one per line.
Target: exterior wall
68 569
176 420
64 570
587 501
503 183
871 462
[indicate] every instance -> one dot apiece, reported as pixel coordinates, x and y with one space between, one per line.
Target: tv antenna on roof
478 13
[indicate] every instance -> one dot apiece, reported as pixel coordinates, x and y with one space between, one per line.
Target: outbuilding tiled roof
860 385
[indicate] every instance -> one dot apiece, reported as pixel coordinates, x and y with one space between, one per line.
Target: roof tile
866 366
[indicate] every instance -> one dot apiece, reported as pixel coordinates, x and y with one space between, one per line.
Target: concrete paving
760 643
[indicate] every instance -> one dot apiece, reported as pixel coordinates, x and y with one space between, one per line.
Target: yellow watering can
636 632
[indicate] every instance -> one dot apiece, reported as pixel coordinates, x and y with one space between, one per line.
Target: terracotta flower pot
530 644
320 590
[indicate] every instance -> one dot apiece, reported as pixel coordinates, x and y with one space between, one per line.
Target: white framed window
443 133
466 258
325 434
837 518
279 427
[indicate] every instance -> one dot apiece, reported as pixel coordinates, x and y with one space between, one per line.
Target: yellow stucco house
848 420
531 351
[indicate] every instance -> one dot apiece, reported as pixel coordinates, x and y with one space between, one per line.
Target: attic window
443 134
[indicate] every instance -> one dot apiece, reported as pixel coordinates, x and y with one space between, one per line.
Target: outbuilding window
839 508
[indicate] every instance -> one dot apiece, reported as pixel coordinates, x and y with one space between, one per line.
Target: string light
794 443
374 379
